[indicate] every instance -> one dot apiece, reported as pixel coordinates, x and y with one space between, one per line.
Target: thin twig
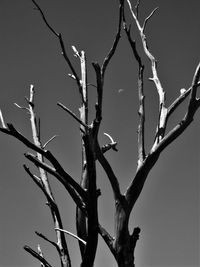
51 139
46 239
44 18
71 234
116 41
59 36
20 107
148 18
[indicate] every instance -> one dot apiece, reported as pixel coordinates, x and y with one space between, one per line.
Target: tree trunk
125 243
124 251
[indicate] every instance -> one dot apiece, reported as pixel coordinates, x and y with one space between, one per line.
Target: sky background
168 208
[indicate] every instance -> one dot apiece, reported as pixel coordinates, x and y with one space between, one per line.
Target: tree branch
137 183
148 18
178 101
110 174
137 8
72 114
71 186
2 121
162 109
111 145
109 240
37 256
40 253
99 82
44 185
69 233
51 139
116 41
141 111
36 140
59 36
194 104
81 220
46 239
195 84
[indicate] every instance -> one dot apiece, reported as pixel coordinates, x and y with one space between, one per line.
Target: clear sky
168 209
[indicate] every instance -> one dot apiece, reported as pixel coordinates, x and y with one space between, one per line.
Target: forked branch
37 256
161 94
72 114
194 104
10 130
44 184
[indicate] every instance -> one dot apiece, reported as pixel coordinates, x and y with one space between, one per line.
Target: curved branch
73 235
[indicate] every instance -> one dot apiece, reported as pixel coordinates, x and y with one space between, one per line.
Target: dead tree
85 194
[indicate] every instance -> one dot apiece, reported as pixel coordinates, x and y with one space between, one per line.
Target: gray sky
168 209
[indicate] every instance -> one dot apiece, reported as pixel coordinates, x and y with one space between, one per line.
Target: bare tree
85 194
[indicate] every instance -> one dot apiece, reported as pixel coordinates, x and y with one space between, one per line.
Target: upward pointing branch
116 41
37 142
141 112
44 184
161 94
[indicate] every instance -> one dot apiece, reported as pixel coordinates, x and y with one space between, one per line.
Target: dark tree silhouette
85 194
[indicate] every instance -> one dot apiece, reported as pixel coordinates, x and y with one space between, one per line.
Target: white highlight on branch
18 106
73 235
51 139
182 91
76 53
110 137
40 253
72 76
2 120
